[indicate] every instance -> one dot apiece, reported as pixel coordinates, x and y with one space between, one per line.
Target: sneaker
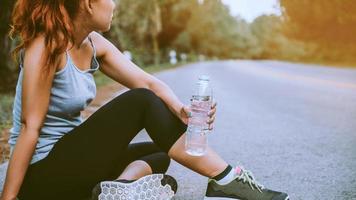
243 187
150 187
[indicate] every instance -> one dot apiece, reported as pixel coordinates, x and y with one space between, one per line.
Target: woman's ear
88 6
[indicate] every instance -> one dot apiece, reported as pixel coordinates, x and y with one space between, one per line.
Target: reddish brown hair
52 18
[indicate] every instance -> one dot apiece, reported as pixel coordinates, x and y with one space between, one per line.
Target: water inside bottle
197 141
200 106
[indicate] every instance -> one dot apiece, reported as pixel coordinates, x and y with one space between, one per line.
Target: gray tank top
72 90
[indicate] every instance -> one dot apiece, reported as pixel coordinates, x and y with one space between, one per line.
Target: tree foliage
328 26
152 28
308 31
7 74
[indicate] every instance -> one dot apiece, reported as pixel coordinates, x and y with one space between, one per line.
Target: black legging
99 149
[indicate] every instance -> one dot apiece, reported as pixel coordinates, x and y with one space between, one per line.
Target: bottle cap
204 78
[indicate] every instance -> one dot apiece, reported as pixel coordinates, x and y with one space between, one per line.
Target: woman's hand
186 113
212 114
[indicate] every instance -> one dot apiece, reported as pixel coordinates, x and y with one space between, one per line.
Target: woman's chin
106 29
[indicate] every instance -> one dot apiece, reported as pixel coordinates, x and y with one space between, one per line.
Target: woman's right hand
185 113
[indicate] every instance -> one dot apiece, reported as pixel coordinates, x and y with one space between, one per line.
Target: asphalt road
292 125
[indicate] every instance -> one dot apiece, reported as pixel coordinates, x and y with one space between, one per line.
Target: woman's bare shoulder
38 43
102 45
34 51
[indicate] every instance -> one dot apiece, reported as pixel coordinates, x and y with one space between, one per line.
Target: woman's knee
143 94
147 98
159 162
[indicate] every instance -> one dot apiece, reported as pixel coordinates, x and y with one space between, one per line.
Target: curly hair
50 18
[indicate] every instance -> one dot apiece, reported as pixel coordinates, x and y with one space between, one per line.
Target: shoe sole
151 187
227 198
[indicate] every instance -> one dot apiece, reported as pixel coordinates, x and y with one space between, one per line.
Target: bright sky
250 9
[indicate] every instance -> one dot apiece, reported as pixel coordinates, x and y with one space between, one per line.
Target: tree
6 72
137 25
272 43
328 26
210 30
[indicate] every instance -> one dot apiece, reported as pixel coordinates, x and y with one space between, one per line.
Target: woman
55 155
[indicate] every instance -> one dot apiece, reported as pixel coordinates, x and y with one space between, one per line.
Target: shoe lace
247 176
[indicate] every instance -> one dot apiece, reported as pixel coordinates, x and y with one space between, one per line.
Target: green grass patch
334 64
6 101
101 79
322 62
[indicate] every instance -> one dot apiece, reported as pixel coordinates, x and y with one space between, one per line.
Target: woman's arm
36 88
115 65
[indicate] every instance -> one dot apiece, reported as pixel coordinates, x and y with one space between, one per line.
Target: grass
6 101
333 64
321 62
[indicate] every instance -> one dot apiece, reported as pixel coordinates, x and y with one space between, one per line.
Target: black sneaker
243 187
150 187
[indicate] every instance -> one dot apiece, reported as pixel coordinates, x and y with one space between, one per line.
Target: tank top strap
94 61
21 57
93 46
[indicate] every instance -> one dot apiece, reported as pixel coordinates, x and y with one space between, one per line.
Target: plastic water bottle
196 137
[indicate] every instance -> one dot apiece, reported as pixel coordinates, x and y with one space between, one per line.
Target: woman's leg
159 121
88 154
135 170
209 165
167 132
145 158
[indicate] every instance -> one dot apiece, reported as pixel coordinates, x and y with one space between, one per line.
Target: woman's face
103 12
